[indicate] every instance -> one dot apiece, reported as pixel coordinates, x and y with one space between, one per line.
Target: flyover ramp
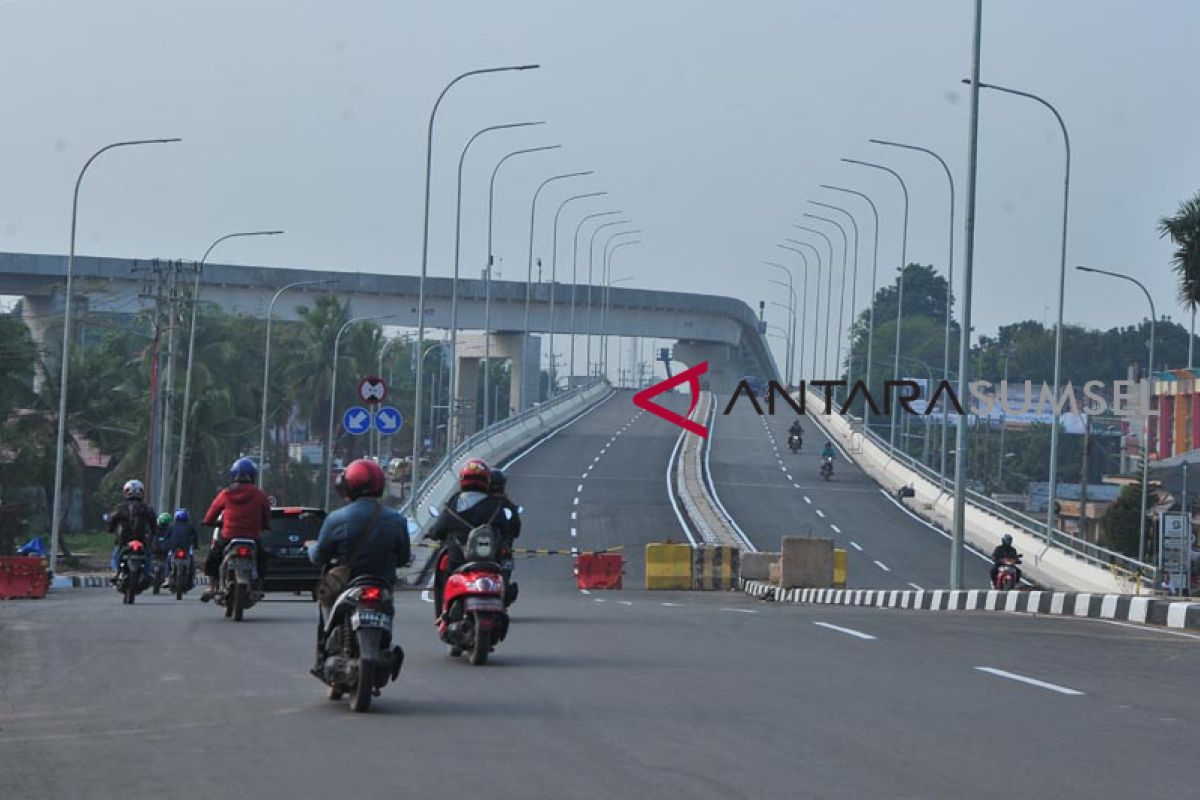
772 492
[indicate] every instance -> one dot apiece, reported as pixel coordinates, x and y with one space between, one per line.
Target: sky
710 125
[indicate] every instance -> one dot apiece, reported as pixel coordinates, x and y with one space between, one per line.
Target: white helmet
133 490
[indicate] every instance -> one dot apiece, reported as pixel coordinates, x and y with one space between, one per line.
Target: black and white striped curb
1121 607
98 581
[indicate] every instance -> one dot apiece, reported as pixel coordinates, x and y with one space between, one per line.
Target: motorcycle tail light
371 594
484 583
181 554
135 545
243 551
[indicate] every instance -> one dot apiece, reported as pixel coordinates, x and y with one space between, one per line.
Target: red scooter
473 618
1008 576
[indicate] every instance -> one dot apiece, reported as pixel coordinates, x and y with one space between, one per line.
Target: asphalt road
623 694
771 491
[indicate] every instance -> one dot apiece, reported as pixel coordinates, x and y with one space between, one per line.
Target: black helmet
1006 540
498 481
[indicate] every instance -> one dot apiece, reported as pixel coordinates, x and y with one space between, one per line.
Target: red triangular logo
690 376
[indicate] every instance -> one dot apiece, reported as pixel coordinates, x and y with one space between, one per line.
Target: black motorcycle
360 658
132 575
182 576
794 442
237 580
827 467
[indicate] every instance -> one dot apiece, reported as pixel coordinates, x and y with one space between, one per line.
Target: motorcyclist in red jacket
242 511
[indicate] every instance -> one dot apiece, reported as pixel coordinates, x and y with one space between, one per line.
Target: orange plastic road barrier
599 570
23 576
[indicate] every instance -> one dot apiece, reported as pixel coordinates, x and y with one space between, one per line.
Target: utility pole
168 392
153 446
1083 478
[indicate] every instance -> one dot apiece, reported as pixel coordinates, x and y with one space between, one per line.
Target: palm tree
1184 230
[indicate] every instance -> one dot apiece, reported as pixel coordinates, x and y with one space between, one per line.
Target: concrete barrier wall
805 562
1047 566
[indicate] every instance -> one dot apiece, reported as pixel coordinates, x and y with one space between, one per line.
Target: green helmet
164 518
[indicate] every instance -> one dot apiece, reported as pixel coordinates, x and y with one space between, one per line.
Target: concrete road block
757 566
839 568
773 572
669 566
805 563
715 568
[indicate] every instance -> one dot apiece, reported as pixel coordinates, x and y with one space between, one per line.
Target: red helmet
362 478
474 476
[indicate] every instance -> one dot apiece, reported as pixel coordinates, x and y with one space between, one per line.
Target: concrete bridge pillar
524 356
725 365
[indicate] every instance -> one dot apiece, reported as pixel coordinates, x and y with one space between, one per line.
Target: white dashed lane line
856 546
915 586
1012 676
835 528
847 631
882 566
579 488
741 610
808 500
576 501
820 513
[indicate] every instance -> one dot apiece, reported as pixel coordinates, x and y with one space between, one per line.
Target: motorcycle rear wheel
239 601
130 589
481 646
361 701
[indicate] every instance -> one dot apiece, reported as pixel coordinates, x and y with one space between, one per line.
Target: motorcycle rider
1004 550
162 533
796 431
466 509
498 487
362 483
827 455
131 519
183 536
245 512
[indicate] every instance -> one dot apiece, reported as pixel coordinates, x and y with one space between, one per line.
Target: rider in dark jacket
131 519
467 508
1003 550
378 557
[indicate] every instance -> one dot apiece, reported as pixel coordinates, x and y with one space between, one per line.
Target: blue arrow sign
356 420
388 420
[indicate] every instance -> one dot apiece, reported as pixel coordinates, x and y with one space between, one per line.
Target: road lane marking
584 591
856 546
741 610
625 602
579 488
820 513
672 605
789 477
835 528
574 515
882 566
576 502
1012 676
915 586
572 531
584 475
425 596
796 485
847 631
597 599
808 500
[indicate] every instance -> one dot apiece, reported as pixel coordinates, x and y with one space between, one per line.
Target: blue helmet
244 470
181 515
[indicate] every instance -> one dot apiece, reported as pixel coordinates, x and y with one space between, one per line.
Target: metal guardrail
1068 543
412 507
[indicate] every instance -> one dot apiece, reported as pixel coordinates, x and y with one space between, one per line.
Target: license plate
484 604
371 619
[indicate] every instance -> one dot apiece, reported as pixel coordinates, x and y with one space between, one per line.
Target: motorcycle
360 658
474 619
827 467
794 442
508 564
1008 575
131 571
182 571
238 578
158 571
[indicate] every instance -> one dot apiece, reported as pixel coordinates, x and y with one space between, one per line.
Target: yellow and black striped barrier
715 568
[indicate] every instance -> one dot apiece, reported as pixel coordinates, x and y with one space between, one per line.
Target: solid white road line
882 566
856 546
1012 676
931 526
847 631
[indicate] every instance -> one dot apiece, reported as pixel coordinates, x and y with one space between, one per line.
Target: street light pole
337 340
608 303
874 278
949 289
1146 438
842 301
487 281
418 378
853 288
591 256
64 369
1062 285
554 280
958 526
798 322
816 293
606 281
262 435
899 279
529 270
452 417
828 297
575 277
791 287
